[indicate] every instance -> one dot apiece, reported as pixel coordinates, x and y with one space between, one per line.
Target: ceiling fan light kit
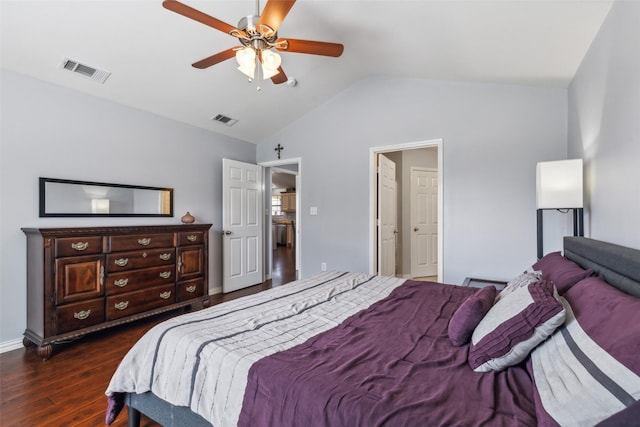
258 35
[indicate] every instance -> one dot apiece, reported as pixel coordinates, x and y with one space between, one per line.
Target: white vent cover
224 119
100 76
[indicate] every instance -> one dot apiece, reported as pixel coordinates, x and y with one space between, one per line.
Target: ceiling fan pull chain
258 88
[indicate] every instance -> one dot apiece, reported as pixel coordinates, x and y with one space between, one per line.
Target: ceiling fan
258 35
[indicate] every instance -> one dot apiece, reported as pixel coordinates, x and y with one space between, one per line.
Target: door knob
415 229
226 232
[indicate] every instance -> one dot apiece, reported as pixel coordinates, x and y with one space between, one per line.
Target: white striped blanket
201 360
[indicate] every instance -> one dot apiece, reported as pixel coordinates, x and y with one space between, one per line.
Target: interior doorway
282 219
419 238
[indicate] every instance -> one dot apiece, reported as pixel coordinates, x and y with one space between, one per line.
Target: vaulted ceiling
149 50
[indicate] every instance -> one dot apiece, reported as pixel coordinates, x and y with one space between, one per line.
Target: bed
558 346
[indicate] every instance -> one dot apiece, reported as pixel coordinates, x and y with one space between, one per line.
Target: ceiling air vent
100 76
224 119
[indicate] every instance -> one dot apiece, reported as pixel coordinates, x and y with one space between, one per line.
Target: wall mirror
66 198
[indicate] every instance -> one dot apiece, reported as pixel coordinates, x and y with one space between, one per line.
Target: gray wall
493 136
51 131
604 127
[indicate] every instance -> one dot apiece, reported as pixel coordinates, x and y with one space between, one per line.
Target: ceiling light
270 63
246 58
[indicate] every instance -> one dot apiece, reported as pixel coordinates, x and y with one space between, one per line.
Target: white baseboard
11 345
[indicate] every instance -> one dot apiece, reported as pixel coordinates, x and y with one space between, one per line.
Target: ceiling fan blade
215 59
310 47
274 13
196 15
279 78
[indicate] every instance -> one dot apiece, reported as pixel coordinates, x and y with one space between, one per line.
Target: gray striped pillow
514 326
522 280
590 369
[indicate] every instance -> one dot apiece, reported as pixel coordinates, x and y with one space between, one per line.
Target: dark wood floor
68 389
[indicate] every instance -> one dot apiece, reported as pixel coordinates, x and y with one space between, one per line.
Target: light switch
313 211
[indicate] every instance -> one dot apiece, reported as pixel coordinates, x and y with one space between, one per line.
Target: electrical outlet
323 266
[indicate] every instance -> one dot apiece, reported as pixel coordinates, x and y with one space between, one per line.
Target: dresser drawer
189 290
139 241
128 281
131 303
123 261
79 315
190 238
74 246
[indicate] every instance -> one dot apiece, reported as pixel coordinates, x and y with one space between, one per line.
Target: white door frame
298 225
373 197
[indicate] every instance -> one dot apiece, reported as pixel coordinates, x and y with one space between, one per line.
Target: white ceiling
149 50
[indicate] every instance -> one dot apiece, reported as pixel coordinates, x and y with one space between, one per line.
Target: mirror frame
43 207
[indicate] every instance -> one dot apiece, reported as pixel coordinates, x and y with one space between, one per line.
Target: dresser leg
27 343
45 351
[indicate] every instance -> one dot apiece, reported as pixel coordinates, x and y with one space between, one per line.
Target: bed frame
619 266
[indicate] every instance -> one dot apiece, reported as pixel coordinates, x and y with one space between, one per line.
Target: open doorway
283 224
282 233
416 225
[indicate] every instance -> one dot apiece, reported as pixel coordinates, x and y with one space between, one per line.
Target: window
276 205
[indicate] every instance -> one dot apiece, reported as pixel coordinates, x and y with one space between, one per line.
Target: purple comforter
389 365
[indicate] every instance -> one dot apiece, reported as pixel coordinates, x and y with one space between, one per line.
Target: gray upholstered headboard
620 266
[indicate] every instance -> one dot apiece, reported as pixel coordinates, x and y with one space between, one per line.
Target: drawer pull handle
191 289
165 295
144 242
121 262
192 237
165 274
122 305
165 257
80 246
81 315
121 283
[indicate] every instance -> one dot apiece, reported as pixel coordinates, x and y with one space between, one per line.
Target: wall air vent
224 119
100 76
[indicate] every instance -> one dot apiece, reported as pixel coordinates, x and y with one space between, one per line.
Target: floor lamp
559 187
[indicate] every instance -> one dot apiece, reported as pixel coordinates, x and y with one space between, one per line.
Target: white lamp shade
246 58
559 185
270 63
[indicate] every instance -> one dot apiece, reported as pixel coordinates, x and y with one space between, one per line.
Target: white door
387 216
424 222
242 225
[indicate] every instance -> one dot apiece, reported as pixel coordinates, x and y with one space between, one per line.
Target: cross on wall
279 148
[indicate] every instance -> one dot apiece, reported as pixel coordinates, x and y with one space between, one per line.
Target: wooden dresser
81 280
